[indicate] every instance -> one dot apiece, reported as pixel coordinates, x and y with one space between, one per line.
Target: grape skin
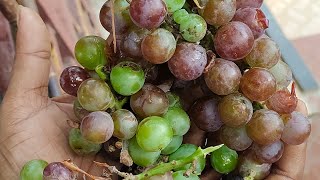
249 167
204 113
249 3
148 14
131 43
188 61
282 73
233 41
159 46
125 124
97 127
283 102
235 110
258 84
57 171
235 138
254 18
223 77
218 13
71 78
270 153
297 128
265 53
265 127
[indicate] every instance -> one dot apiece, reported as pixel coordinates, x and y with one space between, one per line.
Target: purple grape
57 171
71 78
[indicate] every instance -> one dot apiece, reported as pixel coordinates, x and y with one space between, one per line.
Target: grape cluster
181 74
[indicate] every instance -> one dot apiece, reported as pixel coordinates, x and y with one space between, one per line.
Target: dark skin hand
33 126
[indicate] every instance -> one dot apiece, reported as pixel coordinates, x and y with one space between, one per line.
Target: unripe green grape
224 160
173 146
174 5
141 157
90 52
194 29
154 134
174 100
80 145
127 78
33 170
179 121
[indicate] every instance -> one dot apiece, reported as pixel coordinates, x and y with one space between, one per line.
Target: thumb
32 61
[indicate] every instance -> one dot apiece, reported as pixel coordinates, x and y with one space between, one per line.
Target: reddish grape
235 110
204 113
122 19
283 102
159 46
97 127
265 53
148 14
188 61
258 84
248 167
254 18
71 78
297 128
269 153
218 13
56 170
223 77
131 43
149 101
125 124
235 138
249 3
265 127
233 41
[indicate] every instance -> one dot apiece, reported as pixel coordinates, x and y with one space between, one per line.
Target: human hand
291 164
33 126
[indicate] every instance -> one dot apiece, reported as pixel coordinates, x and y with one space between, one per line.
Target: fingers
32 61
291 164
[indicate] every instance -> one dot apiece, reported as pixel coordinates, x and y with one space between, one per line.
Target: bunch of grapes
182 76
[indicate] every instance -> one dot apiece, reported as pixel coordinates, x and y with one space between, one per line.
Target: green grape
224 160
180 16
174 5
154 133
173 146
179 121
184 151
141 157
127 78
125 124
80 145
33 170
90 52
194 28
79 111
95 95
179 176
174 100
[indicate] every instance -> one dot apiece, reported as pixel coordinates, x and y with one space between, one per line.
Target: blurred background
294 25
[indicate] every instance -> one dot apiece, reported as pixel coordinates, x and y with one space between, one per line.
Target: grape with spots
249 168
265 127
125 124
188 61
223 77
270 153
233 41
71 78
282 73
235 138
57 171
97 127
131 43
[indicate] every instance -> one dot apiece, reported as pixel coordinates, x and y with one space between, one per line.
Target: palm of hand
37 130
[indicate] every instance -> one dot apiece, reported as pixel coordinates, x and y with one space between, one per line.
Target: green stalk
165 167
118 105
100 71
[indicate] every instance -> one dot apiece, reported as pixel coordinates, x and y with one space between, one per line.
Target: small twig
125 157
211 57
73 124
113 169
113 28
69 164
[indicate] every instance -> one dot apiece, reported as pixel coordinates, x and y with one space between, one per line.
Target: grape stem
125 157
118 105
165 167
101 73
